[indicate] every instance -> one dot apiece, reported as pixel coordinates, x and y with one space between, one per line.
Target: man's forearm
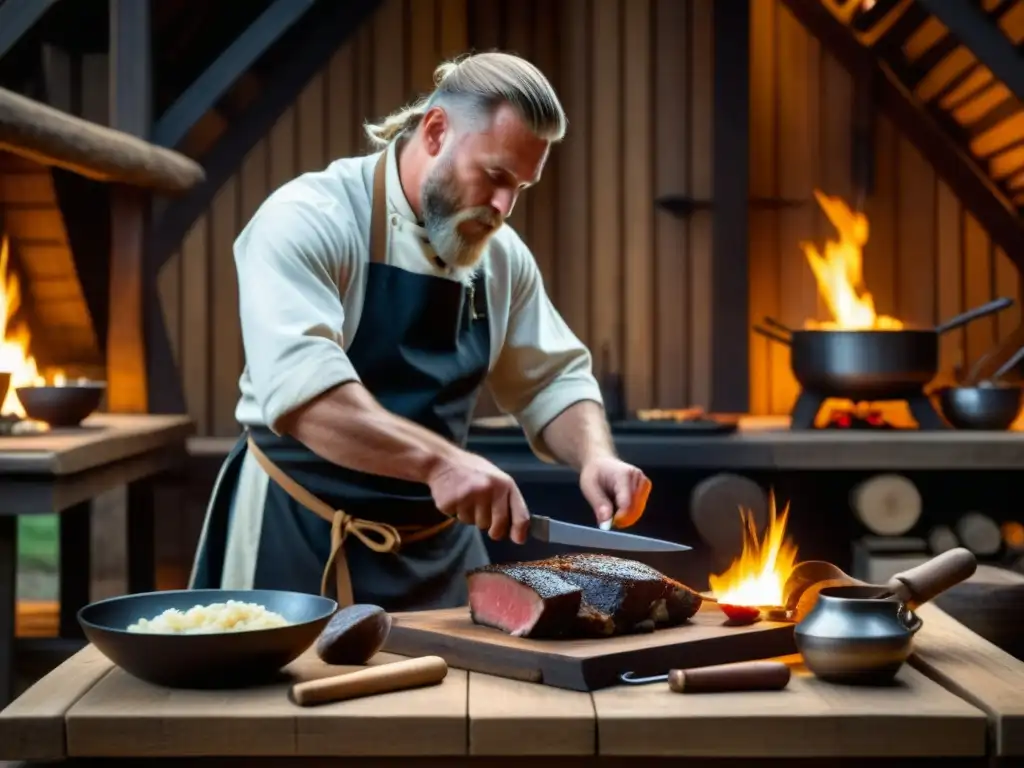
348 427
579 434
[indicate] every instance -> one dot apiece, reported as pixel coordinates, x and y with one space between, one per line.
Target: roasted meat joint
598 595
578 596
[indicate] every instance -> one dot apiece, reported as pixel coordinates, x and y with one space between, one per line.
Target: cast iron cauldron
226 660
870 365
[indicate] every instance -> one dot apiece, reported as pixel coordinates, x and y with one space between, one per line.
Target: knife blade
559 532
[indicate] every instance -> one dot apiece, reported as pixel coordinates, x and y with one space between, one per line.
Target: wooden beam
50 136
130 98
281 87
983 37
17 17
208 88
951 162
730 332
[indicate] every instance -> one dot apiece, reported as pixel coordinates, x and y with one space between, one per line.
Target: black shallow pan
226 660
869 365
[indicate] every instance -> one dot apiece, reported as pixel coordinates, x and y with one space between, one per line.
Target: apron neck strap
379 211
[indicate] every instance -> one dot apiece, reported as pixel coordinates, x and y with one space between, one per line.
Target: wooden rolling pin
741 676
383 678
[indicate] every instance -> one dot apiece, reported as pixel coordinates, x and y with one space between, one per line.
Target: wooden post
730 370
130 111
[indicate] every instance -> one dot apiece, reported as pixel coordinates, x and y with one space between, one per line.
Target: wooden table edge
1005 724
171 428
949 678
94 667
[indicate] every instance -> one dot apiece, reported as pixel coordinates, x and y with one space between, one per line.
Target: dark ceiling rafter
17 17
280 88
232 63
952 163
982 36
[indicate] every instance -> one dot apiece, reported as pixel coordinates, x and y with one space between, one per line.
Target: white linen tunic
301 265
306 269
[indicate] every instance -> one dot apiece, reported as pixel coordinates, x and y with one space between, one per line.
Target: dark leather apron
422 349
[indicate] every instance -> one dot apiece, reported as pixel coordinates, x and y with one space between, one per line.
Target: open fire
839 273
15 340
838 270
757 577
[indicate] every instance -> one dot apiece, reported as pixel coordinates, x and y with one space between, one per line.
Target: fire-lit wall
926 260
635 77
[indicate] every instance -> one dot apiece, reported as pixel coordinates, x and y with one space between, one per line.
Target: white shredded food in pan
231 616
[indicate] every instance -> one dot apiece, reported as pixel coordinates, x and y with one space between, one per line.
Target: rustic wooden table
960 698
60 472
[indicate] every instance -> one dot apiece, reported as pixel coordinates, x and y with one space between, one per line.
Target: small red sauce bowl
741 614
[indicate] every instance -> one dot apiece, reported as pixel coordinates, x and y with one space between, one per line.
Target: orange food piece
627 517
741 614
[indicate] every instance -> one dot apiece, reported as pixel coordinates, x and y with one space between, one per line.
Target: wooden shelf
681 205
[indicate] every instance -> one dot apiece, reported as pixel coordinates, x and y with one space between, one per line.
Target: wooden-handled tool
383 678
921 583
912 587
741 676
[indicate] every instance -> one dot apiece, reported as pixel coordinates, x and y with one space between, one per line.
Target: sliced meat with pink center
523 601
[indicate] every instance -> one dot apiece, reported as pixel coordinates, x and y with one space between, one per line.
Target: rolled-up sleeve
543 368
288 260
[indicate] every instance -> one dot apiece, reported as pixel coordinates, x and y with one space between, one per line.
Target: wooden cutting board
585 665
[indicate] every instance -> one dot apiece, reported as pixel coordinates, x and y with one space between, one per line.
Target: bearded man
376 298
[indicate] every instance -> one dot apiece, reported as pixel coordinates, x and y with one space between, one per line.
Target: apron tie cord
390 540
342 524
380 537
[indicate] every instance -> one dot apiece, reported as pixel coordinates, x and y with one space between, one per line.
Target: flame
758 575
15 358
840 275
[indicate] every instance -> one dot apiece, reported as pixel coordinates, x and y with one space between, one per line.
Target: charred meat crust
614 596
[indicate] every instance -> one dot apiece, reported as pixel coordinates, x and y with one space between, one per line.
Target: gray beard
441 220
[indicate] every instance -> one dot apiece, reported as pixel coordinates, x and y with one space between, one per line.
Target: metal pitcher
854 636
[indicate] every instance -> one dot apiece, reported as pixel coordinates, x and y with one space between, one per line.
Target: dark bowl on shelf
993 407
64 406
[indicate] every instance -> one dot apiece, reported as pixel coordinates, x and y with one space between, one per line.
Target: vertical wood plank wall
638 98
633 282
927 259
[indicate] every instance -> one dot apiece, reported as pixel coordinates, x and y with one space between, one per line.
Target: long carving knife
559 532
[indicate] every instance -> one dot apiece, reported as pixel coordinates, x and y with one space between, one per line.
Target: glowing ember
839 273
757 576
15 358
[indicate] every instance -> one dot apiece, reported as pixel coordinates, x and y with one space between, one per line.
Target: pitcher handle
910 620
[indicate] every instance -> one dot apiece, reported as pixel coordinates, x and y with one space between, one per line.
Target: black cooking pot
869 365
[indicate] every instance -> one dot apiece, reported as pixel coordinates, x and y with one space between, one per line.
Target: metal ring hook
627 677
